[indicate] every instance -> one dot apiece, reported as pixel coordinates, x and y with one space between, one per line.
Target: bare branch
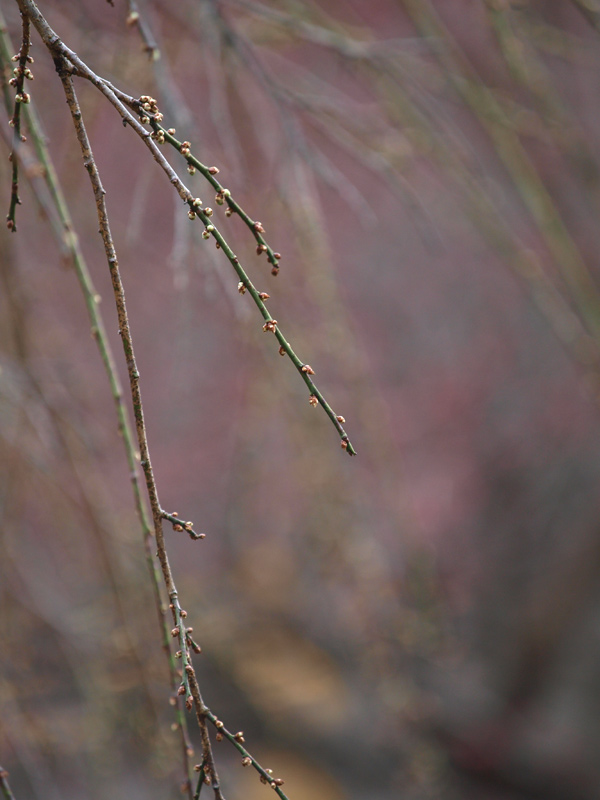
20 72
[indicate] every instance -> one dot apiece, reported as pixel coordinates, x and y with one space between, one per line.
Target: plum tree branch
120 101
68 65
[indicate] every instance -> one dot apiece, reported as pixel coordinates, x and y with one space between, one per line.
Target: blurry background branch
419 622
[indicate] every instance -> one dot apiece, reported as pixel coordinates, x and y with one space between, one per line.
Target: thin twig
201 778
120 101
21 72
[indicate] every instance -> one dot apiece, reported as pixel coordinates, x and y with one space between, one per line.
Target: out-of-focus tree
418 622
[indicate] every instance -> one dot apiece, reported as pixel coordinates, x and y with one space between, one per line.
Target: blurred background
419 622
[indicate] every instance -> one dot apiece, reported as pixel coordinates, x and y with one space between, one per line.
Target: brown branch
20 72
126 338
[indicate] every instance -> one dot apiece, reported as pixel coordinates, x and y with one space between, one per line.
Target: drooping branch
69 65
120 101
68 241
64 70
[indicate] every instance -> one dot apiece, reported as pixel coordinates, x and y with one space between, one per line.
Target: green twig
121 101
201 779
145 107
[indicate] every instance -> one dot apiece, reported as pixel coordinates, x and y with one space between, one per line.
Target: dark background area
419 622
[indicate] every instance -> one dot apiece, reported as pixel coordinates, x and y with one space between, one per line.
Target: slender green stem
120 101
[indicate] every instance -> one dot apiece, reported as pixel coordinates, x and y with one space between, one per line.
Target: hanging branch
189 685
179 615
152 115
69 244
20 72
67 65
120 101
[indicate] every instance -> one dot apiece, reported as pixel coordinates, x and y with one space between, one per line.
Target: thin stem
209 172
20 72
201 777
271 325
237 740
